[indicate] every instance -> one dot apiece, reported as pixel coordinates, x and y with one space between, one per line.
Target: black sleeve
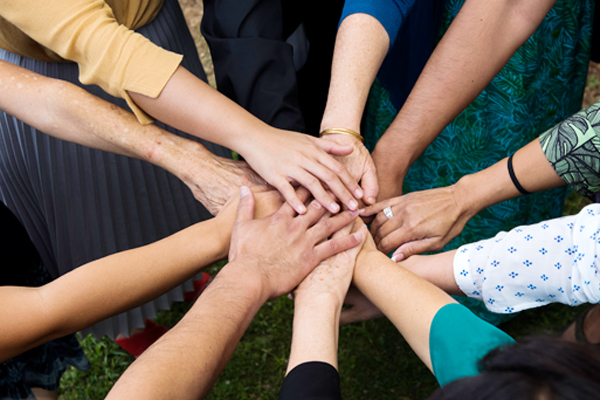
311 381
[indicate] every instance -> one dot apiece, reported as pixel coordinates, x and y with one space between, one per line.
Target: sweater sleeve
390 13
573 149
108 54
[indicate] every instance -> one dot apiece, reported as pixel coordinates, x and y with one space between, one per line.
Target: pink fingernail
359 193
334 208
353 204
244 191
315 204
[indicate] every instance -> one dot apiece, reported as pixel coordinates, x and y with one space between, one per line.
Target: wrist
475 192
242 280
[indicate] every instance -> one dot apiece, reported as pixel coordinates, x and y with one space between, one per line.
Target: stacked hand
281 250
286 159
422 221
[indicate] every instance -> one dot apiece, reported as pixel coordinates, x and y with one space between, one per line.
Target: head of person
536 369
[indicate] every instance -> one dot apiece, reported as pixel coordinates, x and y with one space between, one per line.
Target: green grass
374 361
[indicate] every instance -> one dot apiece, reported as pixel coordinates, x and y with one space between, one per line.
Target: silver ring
388 212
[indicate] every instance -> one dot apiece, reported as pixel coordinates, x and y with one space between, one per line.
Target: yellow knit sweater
97 35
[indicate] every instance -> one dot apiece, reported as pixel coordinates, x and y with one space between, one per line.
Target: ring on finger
388 212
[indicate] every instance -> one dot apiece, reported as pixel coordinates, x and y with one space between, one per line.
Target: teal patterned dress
541 85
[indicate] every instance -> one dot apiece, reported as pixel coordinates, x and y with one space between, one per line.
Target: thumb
370 186
245 210
414 247
332 147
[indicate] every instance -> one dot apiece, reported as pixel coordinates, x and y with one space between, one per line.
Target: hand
286 158
333 276
359 164
214 184
423 221
362 308
282 249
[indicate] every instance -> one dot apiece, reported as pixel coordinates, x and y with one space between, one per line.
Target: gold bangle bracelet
342 131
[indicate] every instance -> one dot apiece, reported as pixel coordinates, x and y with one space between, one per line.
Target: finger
394 239
332 147
337 245
327 227
353 252
293 202
370 186
378 207
313 184
417 247
347 180
378 222
314 214
245 210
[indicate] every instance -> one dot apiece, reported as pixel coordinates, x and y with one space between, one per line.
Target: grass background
374 361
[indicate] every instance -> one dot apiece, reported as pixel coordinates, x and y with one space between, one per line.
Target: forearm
480 41
361 45
65 111
316 330
408 301
192 106
107 286
185 363
493 185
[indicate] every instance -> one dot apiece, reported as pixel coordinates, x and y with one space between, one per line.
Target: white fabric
534 265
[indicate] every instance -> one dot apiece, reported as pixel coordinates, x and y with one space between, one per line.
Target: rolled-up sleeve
390 13
108 54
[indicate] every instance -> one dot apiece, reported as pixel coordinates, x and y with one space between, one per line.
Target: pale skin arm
318 303
108 286
67 112
274 255
86 31
407 300
282 158
478 44
117 283
436 216
360 47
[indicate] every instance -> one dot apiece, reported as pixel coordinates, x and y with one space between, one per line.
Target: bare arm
477 45
108 286
408 301
428 220
361 45
68 112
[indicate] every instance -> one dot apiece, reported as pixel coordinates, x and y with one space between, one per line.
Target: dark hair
536 369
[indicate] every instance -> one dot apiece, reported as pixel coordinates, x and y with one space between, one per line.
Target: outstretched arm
108 286
478 44
67 112
117 58
273 255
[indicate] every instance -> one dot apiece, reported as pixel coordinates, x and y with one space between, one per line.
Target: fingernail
371 200
397 257
361 210
244 191
315 204
353 205
334 208
358 193
353 212
301 209
358 235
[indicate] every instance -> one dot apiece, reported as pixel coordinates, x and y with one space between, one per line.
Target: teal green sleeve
458 340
